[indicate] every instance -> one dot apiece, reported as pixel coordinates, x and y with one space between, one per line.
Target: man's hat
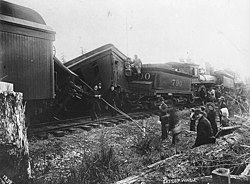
163 106
222 98
197 111
161 99
210 104
203 108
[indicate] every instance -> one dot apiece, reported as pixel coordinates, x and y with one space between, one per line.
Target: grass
114 153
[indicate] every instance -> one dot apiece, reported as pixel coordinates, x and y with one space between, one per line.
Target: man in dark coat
163 119
95 103
203 96
192 120
211 116
204 130
101 92
174 123
112 99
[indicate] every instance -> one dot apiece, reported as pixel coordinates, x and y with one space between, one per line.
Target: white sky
215 31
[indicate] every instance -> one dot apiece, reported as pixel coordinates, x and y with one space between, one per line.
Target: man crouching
204 130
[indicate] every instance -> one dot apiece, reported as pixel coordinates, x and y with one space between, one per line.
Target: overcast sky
158 31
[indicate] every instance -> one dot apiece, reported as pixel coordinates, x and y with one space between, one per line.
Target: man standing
223 112
138 65
211 116
213 98
101 92
163 119
192 120
174 123
95 103
203 95
112 99
204 130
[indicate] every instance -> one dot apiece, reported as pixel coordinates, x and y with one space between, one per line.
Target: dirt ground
55 157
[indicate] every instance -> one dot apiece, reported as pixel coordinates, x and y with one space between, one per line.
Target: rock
58 133
107 124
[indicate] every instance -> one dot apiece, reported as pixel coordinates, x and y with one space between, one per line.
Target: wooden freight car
26 57
103 65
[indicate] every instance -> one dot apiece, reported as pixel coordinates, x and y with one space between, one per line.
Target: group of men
169 121
98 104
134 65
212 95
202 120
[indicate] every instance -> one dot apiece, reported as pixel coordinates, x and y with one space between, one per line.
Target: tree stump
14 149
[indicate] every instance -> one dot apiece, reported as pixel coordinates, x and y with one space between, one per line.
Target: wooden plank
85 127
95 125
147 170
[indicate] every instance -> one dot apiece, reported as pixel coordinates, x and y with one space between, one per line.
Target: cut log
226 130
14 151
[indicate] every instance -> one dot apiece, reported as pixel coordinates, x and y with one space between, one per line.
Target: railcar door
115 69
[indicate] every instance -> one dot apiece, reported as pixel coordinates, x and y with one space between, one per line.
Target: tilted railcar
103 65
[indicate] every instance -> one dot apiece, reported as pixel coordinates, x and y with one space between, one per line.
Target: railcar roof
20 12
93 53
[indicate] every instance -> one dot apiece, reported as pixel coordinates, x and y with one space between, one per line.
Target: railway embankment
121 153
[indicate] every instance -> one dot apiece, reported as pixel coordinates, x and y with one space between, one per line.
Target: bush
146 145
100 167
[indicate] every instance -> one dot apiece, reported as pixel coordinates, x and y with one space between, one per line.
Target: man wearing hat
169 117
192 120
112 99
211 116
223 111
163 118
204 130
95 103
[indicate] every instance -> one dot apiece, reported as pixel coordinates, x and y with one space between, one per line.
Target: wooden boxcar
103 65
26 57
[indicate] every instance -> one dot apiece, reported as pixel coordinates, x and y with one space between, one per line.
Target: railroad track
62 127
